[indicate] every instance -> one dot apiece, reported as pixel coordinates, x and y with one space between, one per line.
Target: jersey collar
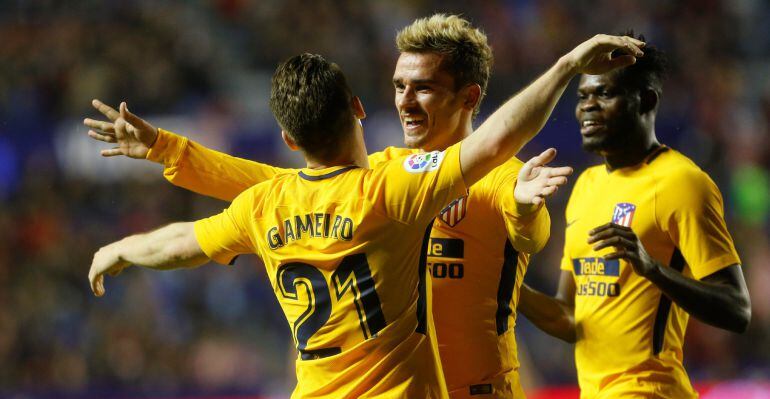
325 173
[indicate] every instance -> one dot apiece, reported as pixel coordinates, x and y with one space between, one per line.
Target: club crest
623 214
455 211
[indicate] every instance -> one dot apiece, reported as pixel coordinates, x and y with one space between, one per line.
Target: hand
106 260
133 135
594 56
536 181
627 246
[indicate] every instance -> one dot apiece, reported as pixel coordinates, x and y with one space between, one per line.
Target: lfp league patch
425 162
623 214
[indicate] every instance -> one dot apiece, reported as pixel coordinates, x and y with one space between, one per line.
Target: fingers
96 281
631 45
622 61
562 171
557 181
112 152
621 254
129 117
107 137
104 126
537 161
544 157
609 226
548 191
615 241
105 109
610 230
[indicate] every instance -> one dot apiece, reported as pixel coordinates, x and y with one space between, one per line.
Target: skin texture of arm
553 315
720 299
170 247
503 134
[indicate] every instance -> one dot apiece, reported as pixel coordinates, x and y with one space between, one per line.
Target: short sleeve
416 187
527 232
224 236
691 211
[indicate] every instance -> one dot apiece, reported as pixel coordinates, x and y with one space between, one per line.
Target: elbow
570 333
742 318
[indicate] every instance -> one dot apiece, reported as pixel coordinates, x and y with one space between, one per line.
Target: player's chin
416 139
594 144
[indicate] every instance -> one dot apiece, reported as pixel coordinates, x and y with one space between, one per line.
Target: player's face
605 112
429 106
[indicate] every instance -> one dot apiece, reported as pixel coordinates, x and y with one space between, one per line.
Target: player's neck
458 135
631 154
354 157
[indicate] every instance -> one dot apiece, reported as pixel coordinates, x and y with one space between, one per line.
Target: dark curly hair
648 72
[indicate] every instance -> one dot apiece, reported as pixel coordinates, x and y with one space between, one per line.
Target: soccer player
480 244
335 225
646 246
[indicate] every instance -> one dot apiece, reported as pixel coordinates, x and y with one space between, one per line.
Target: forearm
166 248
714 303
551 315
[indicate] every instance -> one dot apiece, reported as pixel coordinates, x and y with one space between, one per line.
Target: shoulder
388 154
678 173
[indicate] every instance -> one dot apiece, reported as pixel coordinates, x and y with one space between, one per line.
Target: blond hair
468 56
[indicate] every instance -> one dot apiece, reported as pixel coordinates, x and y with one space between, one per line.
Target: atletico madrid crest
455 211
624 214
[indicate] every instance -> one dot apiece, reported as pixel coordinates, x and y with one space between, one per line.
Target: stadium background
202 68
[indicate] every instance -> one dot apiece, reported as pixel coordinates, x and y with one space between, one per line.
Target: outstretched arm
720 299
187 164
554 315
520 118
173 246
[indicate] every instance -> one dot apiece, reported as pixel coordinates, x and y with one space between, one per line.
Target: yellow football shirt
344 251
477 256
629 335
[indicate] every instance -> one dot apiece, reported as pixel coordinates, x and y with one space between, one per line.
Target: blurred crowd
218 329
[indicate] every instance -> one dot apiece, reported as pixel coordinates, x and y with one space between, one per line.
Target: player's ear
289 141
648 100
472 95
358 108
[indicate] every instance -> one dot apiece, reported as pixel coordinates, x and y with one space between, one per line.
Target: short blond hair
468 55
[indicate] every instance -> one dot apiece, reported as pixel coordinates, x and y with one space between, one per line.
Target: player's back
344 251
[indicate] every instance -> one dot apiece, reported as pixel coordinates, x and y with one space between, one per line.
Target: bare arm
720 299
554 315
170 247
520 118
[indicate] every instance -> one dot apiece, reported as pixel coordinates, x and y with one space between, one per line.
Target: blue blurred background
202 68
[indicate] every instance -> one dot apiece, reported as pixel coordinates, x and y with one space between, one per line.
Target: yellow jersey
344 249
477 255
629 335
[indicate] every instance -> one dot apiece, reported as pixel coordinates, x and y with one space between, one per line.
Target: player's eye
423 89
